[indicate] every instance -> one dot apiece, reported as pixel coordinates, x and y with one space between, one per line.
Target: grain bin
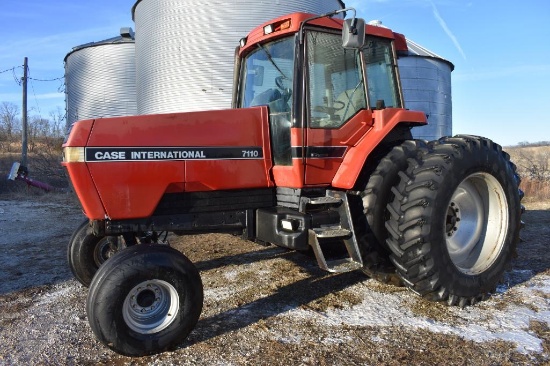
426 82
185 48
100 78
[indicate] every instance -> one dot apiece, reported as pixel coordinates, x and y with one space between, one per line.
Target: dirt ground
267 305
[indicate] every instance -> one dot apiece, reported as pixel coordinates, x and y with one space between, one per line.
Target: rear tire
370 226
146 300
455 220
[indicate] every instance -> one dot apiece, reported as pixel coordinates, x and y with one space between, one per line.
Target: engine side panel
133 161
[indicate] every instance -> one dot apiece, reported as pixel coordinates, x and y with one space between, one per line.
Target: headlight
73 154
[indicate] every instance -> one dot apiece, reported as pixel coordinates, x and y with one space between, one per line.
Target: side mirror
353 33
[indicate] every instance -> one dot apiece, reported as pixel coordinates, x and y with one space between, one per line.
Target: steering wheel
337 105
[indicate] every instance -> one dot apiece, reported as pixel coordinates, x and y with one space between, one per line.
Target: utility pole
24 116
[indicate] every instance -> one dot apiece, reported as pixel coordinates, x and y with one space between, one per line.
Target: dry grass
533 165
535 191
542 330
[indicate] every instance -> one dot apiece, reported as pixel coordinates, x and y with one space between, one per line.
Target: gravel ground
267 305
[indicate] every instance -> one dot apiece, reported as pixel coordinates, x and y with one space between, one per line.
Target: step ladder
335 201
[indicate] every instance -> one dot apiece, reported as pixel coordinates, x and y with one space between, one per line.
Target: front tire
87 252
455 220
146 300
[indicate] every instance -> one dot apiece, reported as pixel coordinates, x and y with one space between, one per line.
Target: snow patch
56 295
477 323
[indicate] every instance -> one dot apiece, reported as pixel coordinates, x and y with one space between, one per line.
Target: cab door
336 105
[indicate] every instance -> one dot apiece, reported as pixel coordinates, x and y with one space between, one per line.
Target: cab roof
290 24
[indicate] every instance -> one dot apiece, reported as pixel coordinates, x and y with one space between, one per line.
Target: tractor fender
385 121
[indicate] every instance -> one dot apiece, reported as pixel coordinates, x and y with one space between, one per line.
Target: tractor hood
121 167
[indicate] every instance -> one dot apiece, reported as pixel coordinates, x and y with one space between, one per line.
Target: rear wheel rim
476 223
151 306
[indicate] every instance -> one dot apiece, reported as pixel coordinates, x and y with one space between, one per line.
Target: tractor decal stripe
318 152
100 154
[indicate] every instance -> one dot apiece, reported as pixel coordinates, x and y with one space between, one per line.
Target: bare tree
57 126
9 124
38 129
45 139
533 144
535 166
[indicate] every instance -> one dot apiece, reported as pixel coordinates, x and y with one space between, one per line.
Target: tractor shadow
287 298
299 293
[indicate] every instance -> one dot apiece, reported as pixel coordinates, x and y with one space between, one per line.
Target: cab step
331 232
336 201
323 200
352 263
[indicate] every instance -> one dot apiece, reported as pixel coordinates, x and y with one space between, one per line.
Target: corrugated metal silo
185 48
100 79
426 82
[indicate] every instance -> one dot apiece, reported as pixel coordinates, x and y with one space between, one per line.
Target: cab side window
381 73
335 81
268 79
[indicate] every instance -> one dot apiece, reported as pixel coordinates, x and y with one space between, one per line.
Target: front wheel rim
103 250
151 306
476 223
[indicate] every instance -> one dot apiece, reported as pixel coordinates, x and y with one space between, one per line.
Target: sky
500 84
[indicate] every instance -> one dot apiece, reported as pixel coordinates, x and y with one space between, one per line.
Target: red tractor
316 152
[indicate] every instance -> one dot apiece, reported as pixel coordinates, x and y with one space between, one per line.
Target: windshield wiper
272 61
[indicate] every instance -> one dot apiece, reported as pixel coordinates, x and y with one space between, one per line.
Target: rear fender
385 121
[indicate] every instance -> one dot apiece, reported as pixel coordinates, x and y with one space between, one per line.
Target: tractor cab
321 93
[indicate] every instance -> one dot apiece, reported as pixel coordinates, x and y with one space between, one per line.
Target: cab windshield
268 74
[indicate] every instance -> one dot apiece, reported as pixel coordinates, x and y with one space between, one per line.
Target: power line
26 77
59 78
14 68
11 69
29 77
17 79
33 92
